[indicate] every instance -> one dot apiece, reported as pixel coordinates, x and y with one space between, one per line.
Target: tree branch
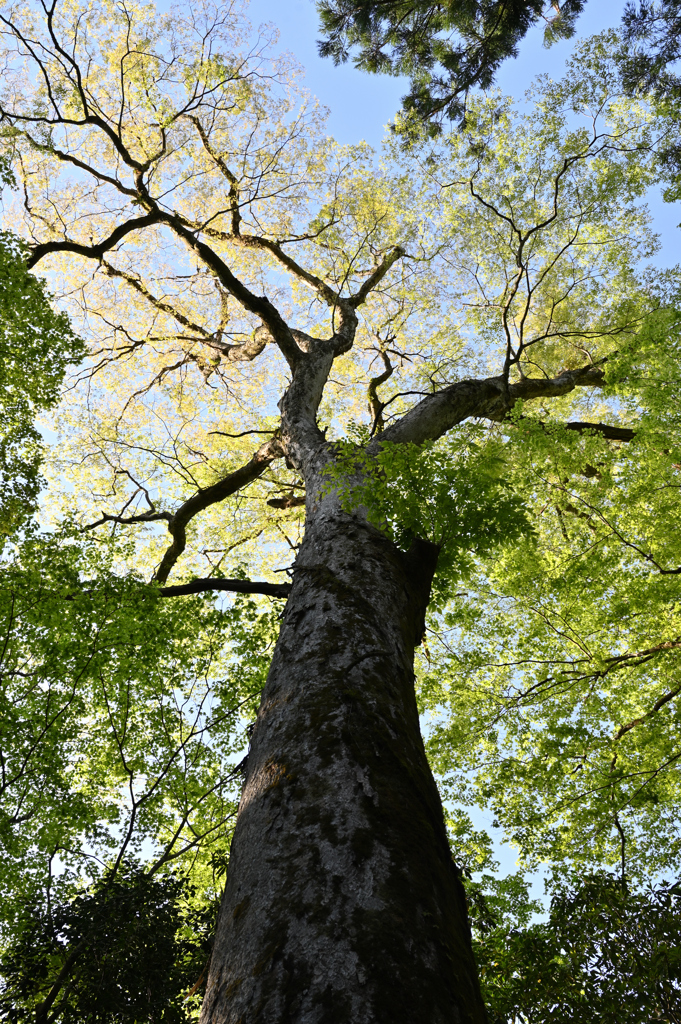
290 501
610 433
143 517
376 277
487 399
232 586
581 427
242 352
97 250
376 406
623 729
345 305
233 482
260 305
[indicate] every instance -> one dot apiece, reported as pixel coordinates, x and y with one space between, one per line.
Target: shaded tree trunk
342 901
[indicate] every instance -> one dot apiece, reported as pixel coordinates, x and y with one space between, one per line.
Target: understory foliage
121 727
177 185
605 952
135 946
109 697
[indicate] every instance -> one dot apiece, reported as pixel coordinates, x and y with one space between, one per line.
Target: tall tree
238 275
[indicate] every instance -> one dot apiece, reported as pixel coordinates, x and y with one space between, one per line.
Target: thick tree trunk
342 901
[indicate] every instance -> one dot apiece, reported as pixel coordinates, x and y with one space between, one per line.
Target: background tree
651 36
605 951
449 48
653 29
130 951
446 49
237 274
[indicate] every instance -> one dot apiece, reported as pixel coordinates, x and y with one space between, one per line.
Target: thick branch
233 586
290 501
487 399
582 427
98 249
608 432
346 306
210 496
257 304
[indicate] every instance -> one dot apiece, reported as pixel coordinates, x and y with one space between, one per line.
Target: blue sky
361 105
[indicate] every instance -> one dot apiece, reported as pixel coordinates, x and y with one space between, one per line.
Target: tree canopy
446 49
496 379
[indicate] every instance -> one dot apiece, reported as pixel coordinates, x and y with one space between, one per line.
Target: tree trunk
342 901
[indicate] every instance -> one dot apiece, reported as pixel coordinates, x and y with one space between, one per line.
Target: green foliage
128 950
122 717
36 346
446 48
553 677
551 664
605 953
651 32
643 373
452 493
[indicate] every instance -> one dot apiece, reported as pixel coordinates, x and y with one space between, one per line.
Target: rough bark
342 901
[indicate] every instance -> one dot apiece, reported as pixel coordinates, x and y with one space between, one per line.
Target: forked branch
97 250
203 499
243 352
230 484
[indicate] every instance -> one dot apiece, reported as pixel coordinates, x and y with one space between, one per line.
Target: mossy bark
343 904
